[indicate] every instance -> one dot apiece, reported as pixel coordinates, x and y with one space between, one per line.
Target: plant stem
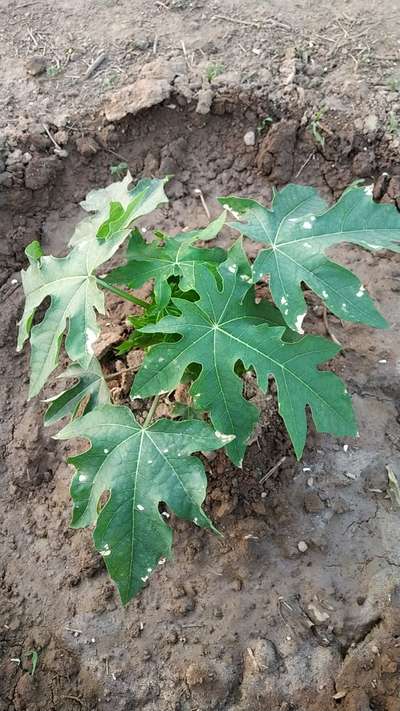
151 411
123 294
117 373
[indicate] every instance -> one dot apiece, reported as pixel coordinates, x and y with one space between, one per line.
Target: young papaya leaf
138 467
89 392
176 257
71 283
298 232
226 326
117 206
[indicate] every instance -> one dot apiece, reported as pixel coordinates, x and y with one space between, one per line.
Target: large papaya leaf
224 327
71 283
297 235
138 467
89 392
176 257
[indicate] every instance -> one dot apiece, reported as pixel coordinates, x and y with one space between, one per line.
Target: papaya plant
201 325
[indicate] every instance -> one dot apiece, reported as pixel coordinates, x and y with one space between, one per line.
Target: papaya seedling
201 325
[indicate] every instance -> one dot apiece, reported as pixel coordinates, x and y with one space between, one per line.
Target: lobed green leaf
137 468
298 229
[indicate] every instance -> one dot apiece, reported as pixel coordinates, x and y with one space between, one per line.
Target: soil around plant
297 607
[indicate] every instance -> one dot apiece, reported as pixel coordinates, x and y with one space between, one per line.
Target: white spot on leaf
224 437
368 190
307 225
145 579
299 323
106 451
140 507
283 300
90 340
325 294
82 478
360 291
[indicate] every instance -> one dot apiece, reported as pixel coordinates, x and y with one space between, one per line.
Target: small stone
250 138
197 674
302 546
39 140
371 123
6 180
61 137
142 94
36 66
26 158
39 172
204 101
312 502
14 157
263 655
388 666
87 146
364 164
318 615
141 43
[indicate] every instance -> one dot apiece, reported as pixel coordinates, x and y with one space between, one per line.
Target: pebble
302 546
36 66
6 180
14 157
204 101
250 138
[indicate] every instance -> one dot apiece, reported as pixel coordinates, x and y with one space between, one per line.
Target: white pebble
302 546
250 138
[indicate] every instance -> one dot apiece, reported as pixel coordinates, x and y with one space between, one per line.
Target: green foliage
120 169
316 128
71 282
264 124
226 326
34 660
298 229
139 467
89 392
214 70
393 124
167 257
202 328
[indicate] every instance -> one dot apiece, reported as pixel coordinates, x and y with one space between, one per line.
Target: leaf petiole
123 294
151 411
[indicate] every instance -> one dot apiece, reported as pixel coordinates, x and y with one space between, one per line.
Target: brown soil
250 622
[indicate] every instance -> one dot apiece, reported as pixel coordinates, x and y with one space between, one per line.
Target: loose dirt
297 608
